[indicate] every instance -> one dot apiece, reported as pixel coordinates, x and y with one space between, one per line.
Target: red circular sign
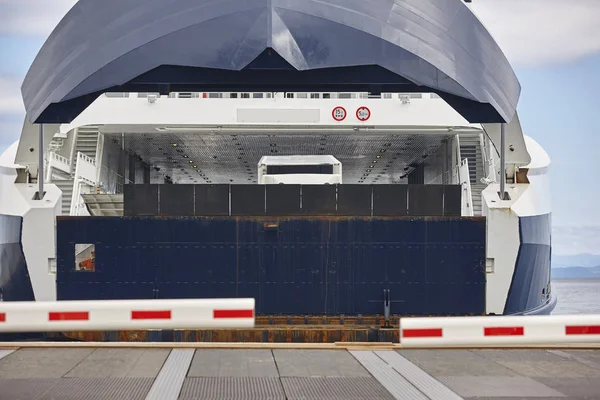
363 113
339 113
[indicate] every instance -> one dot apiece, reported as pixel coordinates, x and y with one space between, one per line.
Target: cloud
10 130
576 240
32 17
10 95
541 32
12 111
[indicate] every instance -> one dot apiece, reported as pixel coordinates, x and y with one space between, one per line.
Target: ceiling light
174 144
191 162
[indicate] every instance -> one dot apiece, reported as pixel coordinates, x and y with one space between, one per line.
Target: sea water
577 296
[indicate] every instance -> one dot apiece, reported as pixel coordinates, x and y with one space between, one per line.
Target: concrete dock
186 374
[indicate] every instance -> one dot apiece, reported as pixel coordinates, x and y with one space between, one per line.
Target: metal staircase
470 148
85 143
66 186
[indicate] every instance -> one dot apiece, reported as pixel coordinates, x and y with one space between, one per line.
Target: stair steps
66 186
86 143
470 148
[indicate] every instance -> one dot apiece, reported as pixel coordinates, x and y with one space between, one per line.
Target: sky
553 45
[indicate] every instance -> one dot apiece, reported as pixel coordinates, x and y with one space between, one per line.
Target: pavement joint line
427 384
168 383
573 357
398 386
6 352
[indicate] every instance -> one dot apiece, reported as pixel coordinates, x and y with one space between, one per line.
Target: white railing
59 158
56 161
86 158
85 181
446 178
86 168
467 194
109 180
80 186
405 97
83 252
490 162
493 174
99 155
464 178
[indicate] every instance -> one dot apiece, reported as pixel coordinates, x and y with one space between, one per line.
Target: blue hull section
291 265
530 287
15 284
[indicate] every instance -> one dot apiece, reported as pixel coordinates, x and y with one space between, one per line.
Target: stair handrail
77 202
490 165
87 158
467 195
85 248
58 157
56 161
445 178
83 173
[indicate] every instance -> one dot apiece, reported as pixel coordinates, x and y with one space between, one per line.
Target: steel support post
503 161
40 194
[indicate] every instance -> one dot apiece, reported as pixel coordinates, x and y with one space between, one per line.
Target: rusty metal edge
298 346
204 345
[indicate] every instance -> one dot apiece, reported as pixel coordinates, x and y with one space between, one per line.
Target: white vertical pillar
40 195
503 161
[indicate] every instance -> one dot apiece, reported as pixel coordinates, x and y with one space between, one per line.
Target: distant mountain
576 260
576 273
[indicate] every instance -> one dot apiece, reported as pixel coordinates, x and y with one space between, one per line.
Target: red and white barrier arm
126 314
499 330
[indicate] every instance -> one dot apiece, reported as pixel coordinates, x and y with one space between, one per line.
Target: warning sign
339 113
363 113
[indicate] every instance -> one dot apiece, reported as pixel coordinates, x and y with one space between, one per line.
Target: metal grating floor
201 158
232 389
75 389
330 388
100 389
25 389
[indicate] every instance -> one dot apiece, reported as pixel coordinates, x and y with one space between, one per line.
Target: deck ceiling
233 158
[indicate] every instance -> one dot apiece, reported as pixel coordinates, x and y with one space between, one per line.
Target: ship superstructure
439 198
